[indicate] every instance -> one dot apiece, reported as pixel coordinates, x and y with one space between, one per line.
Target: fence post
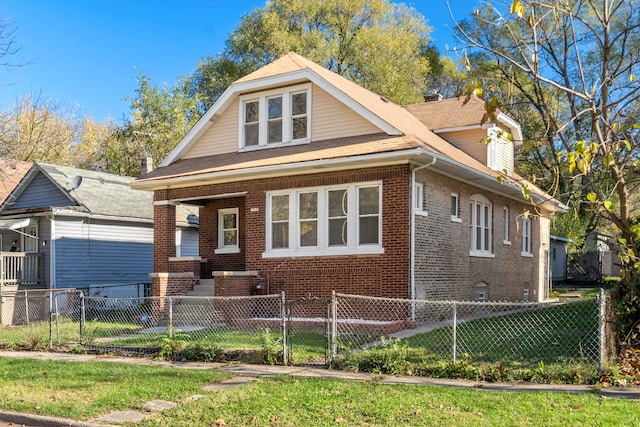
82 316
56 313
283 327
50 330
455 330
26 304
170 317
334 326
601 321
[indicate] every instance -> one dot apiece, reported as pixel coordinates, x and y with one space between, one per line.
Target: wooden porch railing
20 268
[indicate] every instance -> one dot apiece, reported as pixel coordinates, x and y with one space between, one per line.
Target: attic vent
75 182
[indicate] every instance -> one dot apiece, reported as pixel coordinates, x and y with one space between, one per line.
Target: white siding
220 138
332 119
471 141
329 119
504 152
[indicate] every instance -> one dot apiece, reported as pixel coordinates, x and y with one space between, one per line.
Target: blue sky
89 52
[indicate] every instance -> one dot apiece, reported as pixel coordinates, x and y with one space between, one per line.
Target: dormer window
275 118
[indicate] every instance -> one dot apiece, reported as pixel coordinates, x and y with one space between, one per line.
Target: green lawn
83 390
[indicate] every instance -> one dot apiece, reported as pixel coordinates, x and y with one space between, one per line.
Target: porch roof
14 224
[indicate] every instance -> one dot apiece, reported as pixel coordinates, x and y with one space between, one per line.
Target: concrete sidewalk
244 373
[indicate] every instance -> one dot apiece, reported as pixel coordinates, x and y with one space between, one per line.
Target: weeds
271 347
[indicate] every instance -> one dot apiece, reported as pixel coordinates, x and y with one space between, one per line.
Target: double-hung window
480 221
338 220
275 118
505 226
525 234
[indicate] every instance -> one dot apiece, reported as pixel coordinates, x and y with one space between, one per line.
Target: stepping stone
233 382
158 405
122 417
194 397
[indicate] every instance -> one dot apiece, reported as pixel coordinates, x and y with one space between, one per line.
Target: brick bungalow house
309 183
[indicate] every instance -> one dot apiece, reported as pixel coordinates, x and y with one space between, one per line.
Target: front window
228 230
280 221
480 221
325 221
275 117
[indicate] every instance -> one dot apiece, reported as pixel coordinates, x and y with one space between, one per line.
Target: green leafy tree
159 119
573 62
377 44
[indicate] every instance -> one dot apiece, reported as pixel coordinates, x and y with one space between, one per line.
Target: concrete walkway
244 374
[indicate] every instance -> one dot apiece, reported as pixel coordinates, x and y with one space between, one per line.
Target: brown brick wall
164 236
229 286
444 269
379 275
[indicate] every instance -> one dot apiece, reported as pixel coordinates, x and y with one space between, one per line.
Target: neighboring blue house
63 227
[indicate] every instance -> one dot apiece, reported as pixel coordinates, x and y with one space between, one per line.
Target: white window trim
483 202
505 226
526 234
418 199
287 125
231 249
456 217
323 248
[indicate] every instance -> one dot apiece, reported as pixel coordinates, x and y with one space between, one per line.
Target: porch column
164 234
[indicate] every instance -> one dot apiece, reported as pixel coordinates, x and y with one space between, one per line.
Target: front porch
21 268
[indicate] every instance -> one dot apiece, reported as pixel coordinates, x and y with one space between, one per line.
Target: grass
558 344
83 390
286 401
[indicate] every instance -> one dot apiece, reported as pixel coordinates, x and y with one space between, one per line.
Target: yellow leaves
608 205
517 8
526 192
632 78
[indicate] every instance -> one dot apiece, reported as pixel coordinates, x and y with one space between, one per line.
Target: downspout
413 231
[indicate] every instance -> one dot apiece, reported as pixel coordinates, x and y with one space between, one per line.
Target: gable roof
97 193
454 114
402 136
11 173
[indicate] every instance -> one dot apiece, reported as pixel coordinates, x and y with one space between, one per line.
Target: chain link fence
492 332
28 319
309 330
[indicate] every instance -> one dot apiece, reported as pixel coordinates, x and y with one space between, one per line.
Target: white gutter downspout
413 232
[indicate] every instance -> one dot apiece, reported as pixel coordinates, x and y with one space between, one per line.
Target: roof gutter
324 165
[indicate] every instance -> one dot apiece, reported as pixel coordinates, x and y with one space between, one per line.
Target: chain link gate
308 331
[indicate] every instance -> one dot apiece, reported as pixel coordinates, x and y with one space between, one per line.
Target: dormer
491 143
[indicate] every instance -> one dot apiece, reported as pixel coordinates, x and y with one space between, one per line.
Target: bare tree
574 61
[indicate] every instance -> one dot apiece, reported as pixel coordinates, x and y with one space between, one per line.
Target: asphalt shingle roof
102 193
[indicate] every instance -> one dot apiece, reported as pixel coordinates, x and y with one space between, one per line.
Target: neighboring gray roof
101 193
